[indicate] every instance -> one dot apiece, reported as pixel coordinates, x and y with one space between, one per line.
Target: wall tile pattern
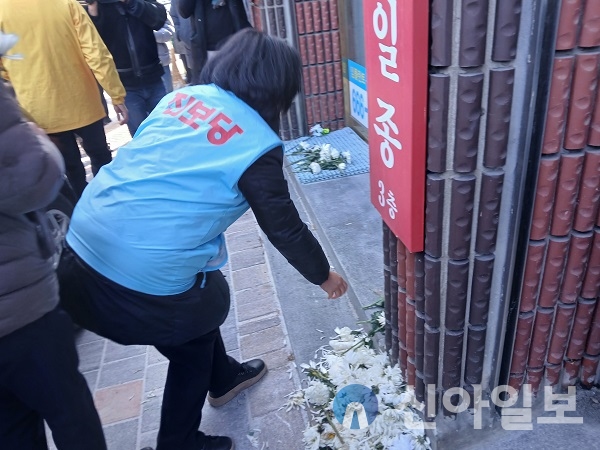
442 327
558 330
270 16
320 48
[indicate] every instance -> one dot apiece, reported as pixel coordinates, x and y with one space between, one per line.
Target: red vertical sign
396 34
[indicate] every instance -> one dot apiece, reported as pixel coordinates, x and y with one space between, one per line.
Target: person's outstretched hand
122 113
335 286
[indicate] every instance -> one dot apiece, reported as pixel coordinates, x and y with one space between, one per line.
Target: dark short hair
262 70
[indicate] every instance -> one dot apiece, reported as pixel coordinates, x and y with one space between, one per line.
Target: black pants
183 327
94 143
39 380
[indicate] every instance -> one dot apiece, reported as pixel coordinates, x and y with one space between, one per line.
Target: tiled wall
313 27
440 321
320 48
558 329
275 18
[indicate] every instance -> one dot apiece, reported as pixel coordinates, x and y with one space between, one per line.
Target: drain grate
343 140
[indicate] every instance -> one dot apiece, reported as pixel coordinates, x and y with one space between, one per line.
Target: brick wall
320 48
439 299
558 328
313 27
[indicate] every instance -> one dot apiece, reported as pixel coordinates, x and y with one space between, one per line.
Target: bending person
146 239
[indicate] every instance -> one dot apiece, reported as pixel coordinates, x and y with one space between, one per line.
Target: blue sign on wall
357 76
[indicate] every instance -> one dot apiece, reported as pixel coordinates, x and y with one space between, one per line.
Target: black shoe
249 374
212 443
217 443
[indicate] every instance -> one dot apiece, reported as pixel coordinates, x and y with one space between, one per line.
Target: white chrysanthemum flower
421 443
347 157
311 439
328 436
359 357
304 146
340 346
324 154
342 166
335 153
344 334
295 400
381 319
316 130
317 393
315 168
401 442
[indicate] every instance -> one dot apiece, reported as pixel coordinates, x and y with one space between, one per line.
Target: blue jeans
167 79
140 102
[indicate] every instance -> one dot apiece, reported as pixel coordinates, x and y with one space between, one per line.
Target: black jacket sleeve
186 8
266 190
149 12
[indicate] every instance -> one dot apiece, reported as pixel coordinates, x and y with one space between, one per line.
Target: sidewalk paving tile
246 258
122 371
269 396
90 355
253 303
120 402
250 277
122 435
115 352
155 377
279 430
259 324
265 341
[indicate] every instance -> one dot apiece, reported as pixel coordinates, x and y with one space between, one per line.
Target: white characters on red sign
386 120
390 201
381 25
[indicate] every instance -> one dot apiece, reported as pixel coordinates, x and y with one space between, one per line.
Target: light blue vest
153 218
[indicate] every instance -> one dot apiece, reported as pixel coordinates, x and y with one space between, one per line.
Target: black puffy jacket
127 29
31 170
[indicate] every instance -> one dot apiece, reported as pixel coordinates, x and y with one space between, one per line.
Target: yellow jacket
63 56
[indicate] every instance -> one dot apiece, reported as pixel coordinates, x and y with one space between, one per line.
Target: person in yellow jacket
55 82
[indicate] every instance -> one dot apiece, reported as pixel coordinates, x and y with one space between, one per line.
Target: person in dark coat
213 22
39 379
127 28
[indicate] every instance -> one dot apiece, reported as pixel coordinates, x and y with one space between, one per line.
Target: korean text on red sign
396 33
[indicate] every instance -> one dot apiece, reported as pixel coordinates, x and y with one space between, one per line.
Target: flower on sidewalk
351 359
317 130
318 157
